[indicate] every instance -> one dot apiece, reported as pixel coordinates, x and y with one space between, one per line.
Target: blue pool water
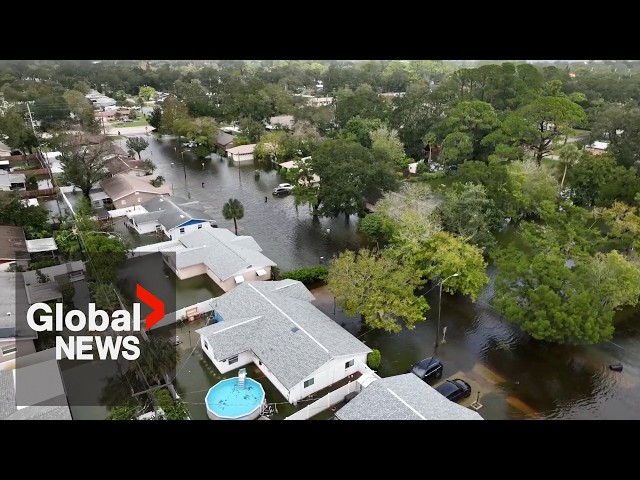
226 400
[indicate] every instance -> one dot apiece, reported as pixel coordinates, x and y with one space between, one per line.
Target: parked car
455 389
281 191
288 186
428 369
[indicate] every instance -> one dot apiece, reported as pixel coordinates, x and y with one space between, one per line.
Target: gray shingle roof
7 394
122 186
13 299
38 385
221 251
175 211
277 322
403 397
223 138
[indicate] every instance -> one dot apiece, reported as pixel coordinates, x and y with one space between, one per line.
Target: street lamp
439 307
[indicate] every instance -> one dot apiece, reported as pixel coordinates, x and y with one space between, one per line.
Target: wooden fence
45 192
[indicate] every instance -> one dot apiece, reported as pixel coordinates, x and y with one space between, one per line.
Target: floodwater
511 375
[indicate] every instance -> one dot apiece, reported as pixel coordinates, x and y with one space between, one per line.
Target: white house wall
330 373
175 233
223 366
144 228
242 157
188 272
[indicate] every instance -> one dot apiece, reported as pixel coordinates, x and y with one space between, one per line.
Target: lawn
141 122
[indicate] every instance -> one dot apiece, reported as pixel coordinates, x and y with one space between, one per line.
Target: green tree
32 219
155 118
137 144
348 173
173 410
378 288
157 357
15 132
442 254
173 112
623 225
82 108
386 145
469 212
358 129
376 227
542 123
233 209
555 300
85 166
364 101
467 124
107 255
147 92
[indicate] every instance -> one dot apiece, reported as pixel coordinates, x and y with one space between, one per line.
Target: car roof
428 361
447 388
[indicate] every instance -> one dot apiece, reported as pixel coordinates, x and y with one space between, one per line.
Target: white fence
326 402
172 318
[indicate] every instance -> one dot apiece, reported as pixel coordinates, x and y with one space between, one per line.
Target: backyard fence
326 402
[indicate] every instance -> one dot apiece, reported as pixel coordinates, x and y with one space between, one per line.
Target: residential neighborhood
319 240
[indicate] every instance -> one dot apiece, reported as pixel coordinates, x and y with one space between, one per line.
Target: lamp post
440 307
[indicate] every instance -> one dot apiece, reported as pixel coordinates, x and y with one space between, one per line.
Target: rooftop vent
295 329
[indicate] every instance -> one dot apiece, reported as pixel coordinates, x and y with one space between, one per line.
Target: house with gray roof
16 337
34 390
173 216
403 397
275 326
226 258
126 190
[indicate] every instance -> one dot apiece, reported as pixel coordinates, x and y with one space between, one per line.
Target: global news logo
85 347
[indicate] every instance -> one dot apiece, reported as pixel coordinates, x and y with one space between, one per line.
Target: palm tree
157 357
569 156
233 209
429 139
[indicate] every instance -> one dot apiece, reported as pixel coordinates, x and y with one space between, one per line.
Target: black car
455 389
428 369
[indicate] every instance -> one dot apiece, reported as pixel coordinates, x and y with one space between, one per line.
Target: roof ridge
289 318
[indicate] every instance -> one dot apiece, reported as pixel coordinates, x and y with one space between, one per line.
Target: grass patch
142 122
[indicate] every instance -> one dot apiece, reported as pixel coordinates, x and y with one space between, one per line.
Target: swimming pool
227 400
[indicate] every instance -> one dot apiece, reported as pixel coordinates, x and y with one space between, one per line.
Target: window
199 226
232 360
8 350
206 345
349 364
182 230
308 383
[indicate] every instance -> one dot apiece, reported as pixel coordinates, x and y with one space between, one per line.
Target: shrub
44 263
433 175
308 275
374 359
256 174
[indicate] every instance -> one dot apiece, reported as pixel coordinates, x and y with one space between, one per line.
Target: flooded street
515 377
